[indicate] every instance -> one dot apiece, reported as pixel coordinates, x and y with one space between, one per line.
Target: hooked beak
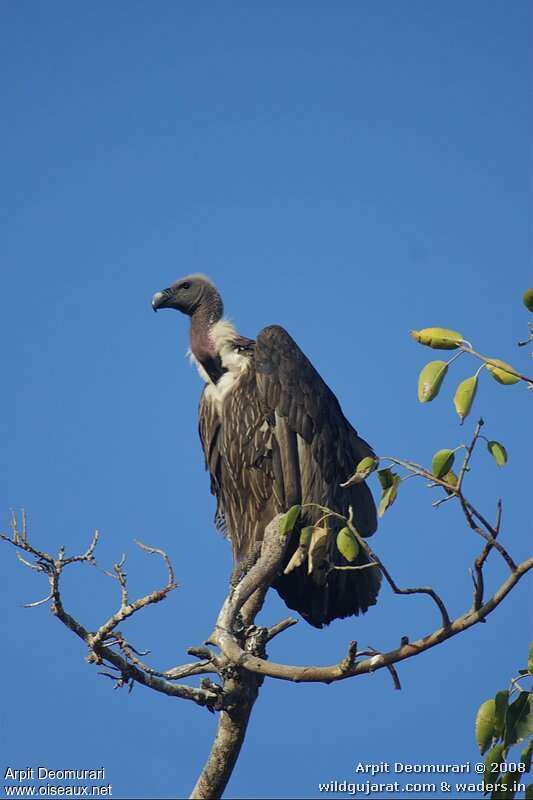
161 299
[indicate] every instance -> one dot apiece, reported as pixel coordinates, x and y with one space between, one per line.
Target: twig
395 588
157 551
100 651
489 361
38 602
279 627
391 668
469 512
348 662
480 562
468 454
127 609
201 652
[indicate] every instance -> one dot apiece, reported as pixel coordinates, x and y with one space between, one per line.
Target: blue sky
350 170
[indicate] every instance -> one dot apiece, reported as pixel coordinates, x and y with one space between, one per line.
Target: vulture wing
314 450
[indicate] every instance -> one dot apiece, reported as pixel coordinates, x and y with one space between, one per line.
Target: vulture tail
342 594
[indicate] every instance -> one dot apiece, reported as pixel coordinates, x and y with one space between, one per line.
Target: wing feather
209 428
314 450
292 393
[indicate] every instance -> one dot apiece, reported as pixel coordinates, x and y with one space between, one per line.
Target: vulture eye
185 285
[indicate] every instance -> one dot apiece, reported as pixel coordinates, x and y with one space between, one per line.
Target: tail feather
345 592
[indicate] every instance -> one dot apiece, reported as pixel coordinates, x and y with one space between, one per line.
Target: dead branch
127 609
477 576
470 512
130 669
281 626
395 588
335 672
468 454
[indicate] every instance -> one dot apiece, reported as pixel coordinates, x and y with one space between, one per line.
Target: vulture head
190 295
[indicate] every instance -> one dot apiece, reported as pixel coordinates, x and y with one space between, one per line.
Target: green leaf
438 338
528 299
442 462
305 536
288 520
494 756
430 380
347 544
385 477
498 452
362 471
451 478
502 372
525 756
464 396
501 702
367 464
388 495
506 779
524 725
485 721
530 659
519 719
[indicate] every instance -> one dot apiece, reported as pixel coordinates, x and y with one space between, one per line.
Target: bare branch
127 609
186 670
348 662
470 512
336 672
88 555
201 652
36 567
130 668
159 552
468 454
479 581
395 588
38 602
281 626
391 668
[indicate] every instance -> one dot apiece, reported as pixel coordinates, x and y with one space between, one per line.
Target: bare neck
206 315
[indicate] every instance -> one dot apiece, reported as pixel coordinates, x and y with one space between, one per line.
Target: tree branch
241 687
478 578
336 672
468 455
242 663
231 730
417 590
129 669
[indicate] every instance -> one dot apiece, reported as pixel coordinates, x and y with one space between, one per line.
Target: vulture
274 436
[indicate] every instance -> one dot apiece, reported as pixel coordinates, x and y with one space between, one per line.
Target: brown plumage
274 435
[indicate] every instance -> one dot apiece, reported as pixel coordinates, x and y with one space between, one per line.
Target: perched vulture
274 436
